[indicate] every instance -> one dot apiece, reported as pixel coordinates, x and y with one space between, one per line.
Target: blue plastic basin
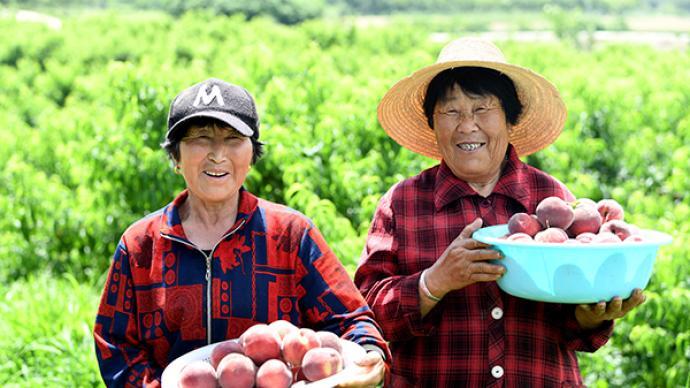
573 273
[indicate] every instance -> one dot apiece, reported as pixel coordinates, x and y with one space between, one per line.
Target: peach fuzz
273 374
236 370
198 374
260 343
320 363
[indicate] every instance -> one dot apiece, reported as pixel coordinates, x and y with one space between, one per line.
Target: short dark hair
171 145
481 81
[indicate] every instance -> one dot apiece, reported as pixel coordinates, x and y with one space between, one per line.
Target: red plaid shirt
478 336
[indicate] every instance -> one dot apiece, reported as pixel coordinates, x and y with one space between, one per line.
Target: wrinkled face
472 134
214 162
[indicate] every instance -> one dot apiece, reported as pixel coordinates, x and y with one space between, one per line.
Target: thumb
471 228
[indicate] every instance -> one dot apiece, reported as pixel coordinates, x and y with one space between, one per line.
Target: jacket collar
514 183
171 224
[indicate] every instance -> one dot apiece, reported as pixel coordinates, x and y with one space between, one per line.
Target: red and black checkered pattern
460 343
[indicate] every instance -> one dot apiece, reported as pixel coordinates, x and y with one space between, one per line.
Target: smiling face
214 162
472 134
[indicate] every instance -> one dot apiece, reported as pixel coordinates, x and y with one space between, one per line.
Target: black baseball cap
215 98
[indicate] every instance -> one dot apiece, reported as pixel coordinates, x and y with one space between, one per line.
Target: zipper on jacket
208 272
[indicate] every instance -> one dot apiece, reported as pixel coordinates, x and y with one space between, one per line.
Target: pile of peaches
580 222
272 355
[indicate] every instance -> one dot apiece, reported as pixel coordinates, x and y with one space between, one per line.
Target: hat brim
401 112
225 117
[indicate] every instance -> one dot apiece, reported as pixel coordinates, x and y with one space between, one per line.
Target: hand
370 373
590 316
464 262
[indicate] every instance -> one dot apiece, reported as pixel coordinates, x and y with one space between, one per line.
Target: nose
466 123
217 152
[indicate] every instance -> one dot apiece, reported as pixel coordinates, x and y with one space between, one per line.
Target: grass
47 333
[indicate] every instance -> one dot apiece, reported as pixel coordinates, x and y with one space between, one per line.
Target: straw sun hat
401 111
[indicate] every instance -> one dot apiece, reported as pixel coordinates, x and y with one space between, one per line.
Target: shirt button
497 371
485 203
497 313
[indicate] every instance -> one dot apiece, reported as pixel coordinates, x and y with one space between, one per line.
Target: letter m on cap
206 98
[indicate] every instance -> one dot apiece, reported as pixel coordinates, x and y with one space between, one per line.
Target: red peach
273 374
620 228
586 218
320 363
236 370
551 235
519 237
223 349
606 237
610 210
260 343
297 343
282 327
330 340
554 212
524 223
197 374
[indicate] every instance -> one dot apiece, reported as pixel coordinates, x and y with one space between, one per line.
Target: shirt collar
514 183
172 224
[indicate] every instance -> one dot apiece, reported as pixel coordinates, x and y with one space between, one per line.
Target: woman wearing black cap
218 260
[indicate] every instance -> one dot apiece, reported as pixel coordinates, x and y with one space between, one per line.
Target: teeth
216 174
469 147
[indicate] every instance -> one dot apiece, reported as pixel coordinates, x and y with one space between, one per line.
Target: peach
585 238
260 343
586 219
551 235
606 237
273 374
297 343
524 223
330 340
197 374
282 327
519 237
610 210
236 370
320 363
620 228
554 212
223 349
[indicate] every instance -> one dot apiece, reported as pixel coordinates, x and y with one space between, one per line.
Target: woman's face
472 134
214 162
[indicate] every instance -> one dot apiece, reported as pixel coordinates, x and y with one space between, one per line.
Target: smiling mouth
214 174
469 147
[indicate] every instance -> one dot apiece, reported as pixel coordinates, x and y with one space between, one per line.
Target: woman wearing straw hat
430 285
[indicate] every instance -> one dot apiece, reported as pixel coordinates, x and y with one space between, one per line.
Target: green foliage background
84 109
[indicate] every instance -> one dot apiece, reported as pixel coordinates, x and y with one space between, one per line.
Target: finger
470 244
471 227
370 358
485 277
483 255
636 299
614 306
599 308
369 376
486 268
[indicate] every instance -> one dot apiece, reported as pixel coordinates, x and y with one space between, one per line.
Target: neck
485 188
205 217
